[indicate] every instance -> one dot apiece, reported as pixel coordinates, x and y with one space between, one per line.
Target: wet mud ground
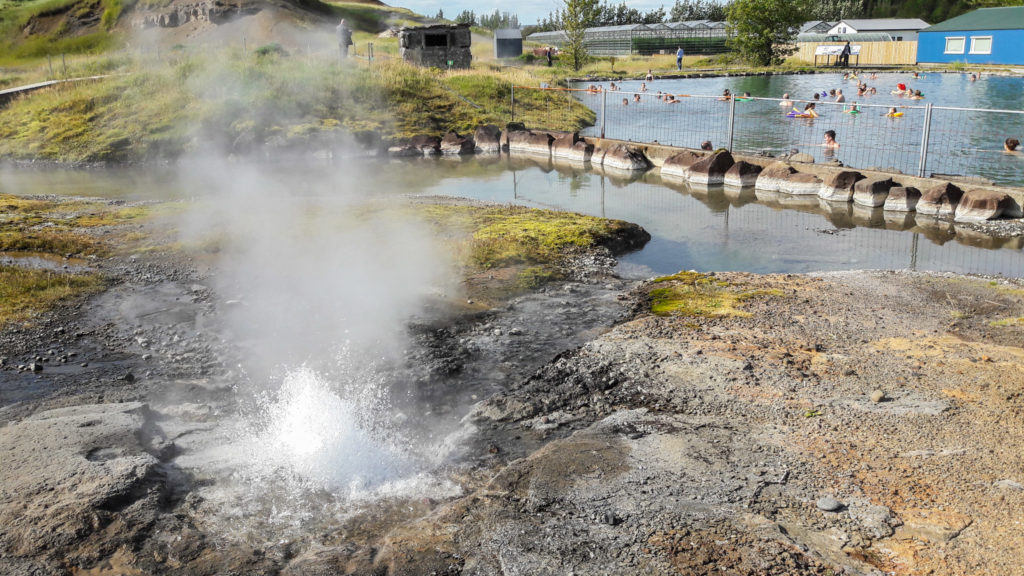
591 437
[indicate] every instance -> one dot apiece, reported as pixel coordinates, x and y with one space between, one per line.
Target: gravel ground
859 423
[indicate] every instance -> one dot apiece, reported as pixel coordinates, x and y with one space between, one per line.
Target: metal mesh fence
911 139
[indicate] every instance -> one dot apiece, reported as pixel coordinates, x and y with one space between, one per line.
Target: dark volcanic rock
940 200
454 144
872 191
677 164
981 205
711 169
771 178
622 157
487 139
742 174
902 199
838 187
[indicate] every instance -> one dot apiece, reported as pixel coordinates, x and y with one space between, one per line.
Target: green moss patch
700 295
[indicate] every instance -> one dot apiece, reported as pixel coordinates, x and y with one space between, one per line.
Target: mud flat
857 423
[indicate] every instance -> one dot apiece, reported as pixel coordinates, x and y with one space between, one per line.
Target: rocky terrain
857 423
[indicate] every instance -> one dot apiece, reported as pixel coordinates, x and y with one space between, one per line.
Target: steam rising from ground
317 285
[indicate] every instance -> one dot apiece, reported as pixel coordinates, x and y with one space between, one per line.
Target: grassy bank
54 231
507 249
234 103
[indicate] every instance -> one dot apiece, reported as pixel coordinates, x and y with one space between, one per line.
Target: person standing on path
679 58
548 54
344 38
844 56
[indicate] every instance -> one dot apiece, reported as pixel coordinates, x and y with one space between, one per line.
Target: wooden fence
871 53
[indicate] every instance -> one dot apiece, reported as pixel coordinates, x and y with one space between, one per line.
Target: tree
466 17
576 17
440 14
835 10
684 10
762 31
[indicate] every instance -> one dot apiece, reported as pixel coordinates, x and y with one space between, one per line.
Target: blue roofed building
984 36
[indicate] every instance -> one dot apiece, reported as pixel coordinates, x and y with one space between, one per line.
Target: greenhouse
694 37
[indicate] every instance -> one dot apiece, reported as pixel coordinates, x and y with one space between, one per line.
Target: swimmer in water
726 95
786 101
1011 146
891 113
830 140
636 98
810 111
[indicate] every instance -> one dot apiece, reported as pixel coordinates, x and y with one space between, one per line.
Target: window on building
899 38
981 44
435 40
955 45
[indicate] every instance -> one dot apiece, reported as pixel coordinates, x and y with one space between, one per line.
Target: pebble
35 367
877 396
829 504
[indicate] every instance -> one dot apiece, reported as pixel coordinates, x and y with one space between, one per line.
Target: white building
898 28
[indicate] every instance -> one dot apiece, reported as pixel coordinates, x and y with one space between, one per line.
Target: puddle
43 261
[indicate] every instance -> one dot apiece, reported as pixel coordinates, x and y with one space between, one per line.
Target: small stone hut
508 43
440 46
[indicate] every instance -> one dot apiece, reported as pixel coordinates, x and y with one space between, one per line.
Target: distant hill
31 28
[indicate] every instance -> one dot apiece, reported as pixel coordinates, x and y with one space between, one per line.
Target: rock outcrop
801 184
981 205
940 200
572 148
675 166
453 144
69 472
902 199
416 146
527 142
771 178
487 139
838 187
872 191
211 11
742 174
625 158
710 170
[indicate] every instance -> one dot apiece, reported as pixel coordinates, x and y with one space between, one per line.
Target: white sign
836 50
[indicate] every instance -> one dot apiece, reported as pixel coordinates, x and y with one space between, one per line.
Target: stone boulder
675 166
770 179
711 169
838 187
940 200
487 139
453 144
981 205
742 174
872 191
527 142
416 146
571 147
73 473
801 184
509 128
902 199
622 157
802 157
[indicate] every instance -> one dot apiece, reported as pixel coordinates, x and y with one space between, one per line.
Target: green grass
234 102
512 235
699 295
26 292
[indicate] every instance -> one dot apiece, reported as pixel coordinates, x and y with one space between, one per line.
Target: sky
529 11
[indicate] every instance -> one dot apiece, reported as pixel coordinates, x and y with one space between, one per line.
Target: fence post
513 105
64 63
732 122
604 105
369 52
49 60
922 163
